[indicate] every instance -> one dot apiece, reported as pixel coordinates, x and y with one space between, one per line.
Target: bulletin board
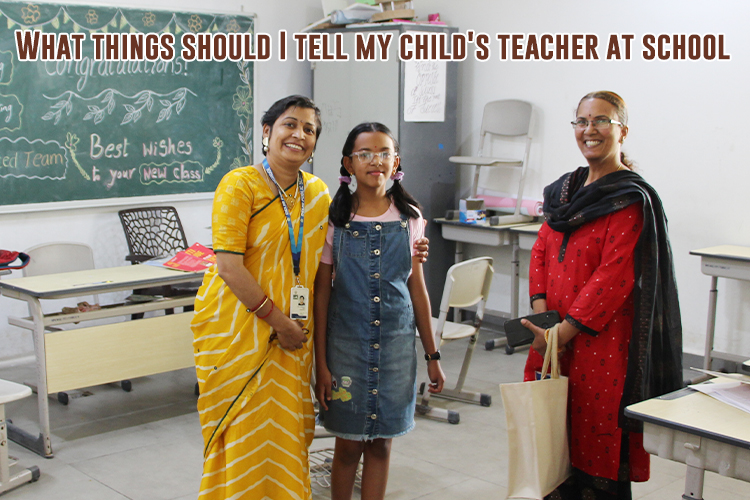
92 129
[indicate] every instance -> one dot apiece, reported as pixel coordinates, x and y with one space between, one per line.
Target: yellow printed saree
255 404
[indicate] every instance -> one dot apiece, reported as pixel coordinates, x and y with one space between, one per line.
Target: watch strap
432 357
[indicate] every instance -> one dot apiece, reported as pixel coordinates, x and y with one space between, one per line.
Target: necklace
291 198
621 167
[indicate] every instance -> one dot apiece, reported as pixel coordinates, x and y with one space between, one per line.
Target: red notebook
195 258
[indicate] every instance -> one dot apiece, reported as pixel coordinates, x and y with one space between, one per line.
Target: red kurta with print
593 283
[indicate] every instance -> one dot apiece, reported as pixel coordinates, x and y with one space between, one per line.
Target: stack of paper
734 392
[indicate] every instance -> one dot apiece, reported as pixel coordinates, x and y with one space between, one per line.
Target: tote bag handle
551 359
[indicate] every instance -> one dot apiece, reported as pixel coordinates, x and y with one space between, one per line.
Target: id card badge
300 299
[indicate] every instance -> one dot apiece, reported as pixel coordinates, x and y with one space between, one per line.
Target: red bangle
268 313
259 305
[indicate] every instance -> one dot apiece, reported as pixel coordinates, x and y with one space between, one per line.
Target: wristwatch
432 357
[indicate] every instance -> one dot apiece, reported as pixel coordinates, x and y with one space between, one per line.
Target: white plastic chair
59 257
466 284
9 392
503 119
63 257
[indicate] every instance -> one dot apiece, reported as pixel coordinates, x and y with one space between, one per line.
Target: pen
94 283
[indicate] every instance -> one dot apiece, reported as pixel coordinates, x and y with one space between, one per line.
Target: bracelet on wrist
259 305
269 311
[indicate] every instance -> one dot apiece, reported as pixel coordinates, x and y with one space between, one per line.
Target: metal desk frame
695 429
90 282
725 261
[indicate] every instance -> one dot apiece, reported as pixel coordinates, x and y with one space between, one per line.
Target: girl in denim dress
369 295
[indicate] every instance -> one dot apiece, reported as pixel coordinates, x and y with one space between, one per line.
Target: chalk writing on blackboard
86 129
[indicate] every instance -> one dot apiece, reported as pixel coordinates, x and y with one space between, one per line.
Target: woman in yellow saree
254 362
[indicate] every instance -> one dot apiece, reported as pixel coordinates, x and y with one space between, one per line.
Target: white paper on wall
424 91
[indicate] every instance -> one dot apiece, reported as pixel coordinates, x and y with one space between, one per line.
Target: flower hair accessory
345 179
397 176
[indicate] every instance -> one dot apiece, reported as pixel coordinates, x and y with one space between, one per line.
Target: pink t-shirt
416 230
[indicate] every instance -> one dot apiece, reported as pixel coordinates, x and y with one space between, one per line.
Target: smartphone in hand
519 335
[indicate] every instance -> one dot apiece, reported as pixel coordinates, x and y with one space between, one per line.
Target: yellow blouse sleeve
232 207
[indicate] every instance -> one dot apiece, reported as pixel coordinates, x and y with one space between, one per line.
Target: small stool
9 392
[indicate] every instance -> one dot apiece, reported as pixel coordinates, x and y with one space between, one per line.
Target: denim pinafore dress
371 333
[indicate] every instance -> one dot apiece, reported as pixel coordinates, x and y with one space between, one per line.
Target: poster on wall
424 91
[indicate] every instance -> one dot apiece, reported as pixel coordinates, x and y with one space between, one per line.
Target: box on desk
471 211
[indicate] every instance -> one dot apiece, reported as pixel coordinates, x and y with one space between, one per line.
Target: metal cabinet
351 92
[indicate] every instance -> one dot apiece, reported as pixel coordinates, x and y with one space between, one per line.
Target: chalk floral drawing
71 143
218 144
149 18
142 101
195 23
233 26
30 13
92 17
243 103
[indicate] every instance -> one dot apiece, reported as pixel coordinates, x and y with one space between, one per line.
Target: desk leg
713 295
514 286
695 459
41 445
514 278
694 483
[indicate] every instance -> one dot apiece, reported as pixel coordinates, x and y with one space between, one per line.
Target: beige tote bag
536 416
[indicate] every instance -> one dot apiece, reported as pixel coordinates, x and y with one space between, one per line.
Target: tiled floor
146 444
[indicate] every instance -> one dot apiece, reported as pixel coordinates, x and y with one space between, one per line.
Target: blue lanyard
296 245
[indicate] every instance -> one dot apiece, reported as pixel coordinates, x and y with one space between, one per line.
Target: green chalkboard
89 130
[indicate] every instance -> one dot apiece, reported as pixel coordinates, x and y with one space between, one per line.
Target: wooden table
725 261
693 428
92 355
518 235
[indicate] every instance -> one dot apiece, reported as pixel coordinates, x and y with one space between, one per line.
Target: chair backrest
153 231
509 117
58 257
467 283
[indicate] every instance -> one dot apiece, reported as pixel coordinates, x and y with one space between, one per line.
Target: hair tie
397 176
345 179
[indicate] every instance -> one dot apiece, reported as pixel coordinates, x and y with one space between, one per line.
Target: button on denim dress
371 333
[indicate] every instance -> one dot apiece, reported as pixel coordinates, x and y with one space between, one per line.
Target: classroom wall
687 121
100 227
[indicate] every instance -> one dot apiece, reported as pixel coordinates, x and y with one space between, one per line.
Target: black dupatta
655 353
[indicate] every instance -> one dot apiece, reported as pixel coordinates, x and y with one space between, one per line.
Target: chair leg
424 409
457 393
8 481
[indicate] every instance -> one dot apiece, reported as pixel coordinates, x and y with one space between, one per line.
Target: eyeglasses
368 156
599 123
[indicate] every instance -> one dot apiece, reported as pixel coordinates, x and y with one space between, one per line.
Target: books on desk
197 258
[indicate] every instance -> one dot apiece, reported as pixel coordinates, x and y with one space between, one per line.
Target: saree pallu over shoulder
255 405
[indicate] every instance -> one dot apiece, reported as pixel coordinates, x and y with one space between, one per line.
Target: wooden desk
518 235
725 261
87 356
695 429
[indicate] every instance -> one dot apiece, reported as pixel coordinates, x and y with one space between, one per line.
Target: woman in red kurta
601 260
